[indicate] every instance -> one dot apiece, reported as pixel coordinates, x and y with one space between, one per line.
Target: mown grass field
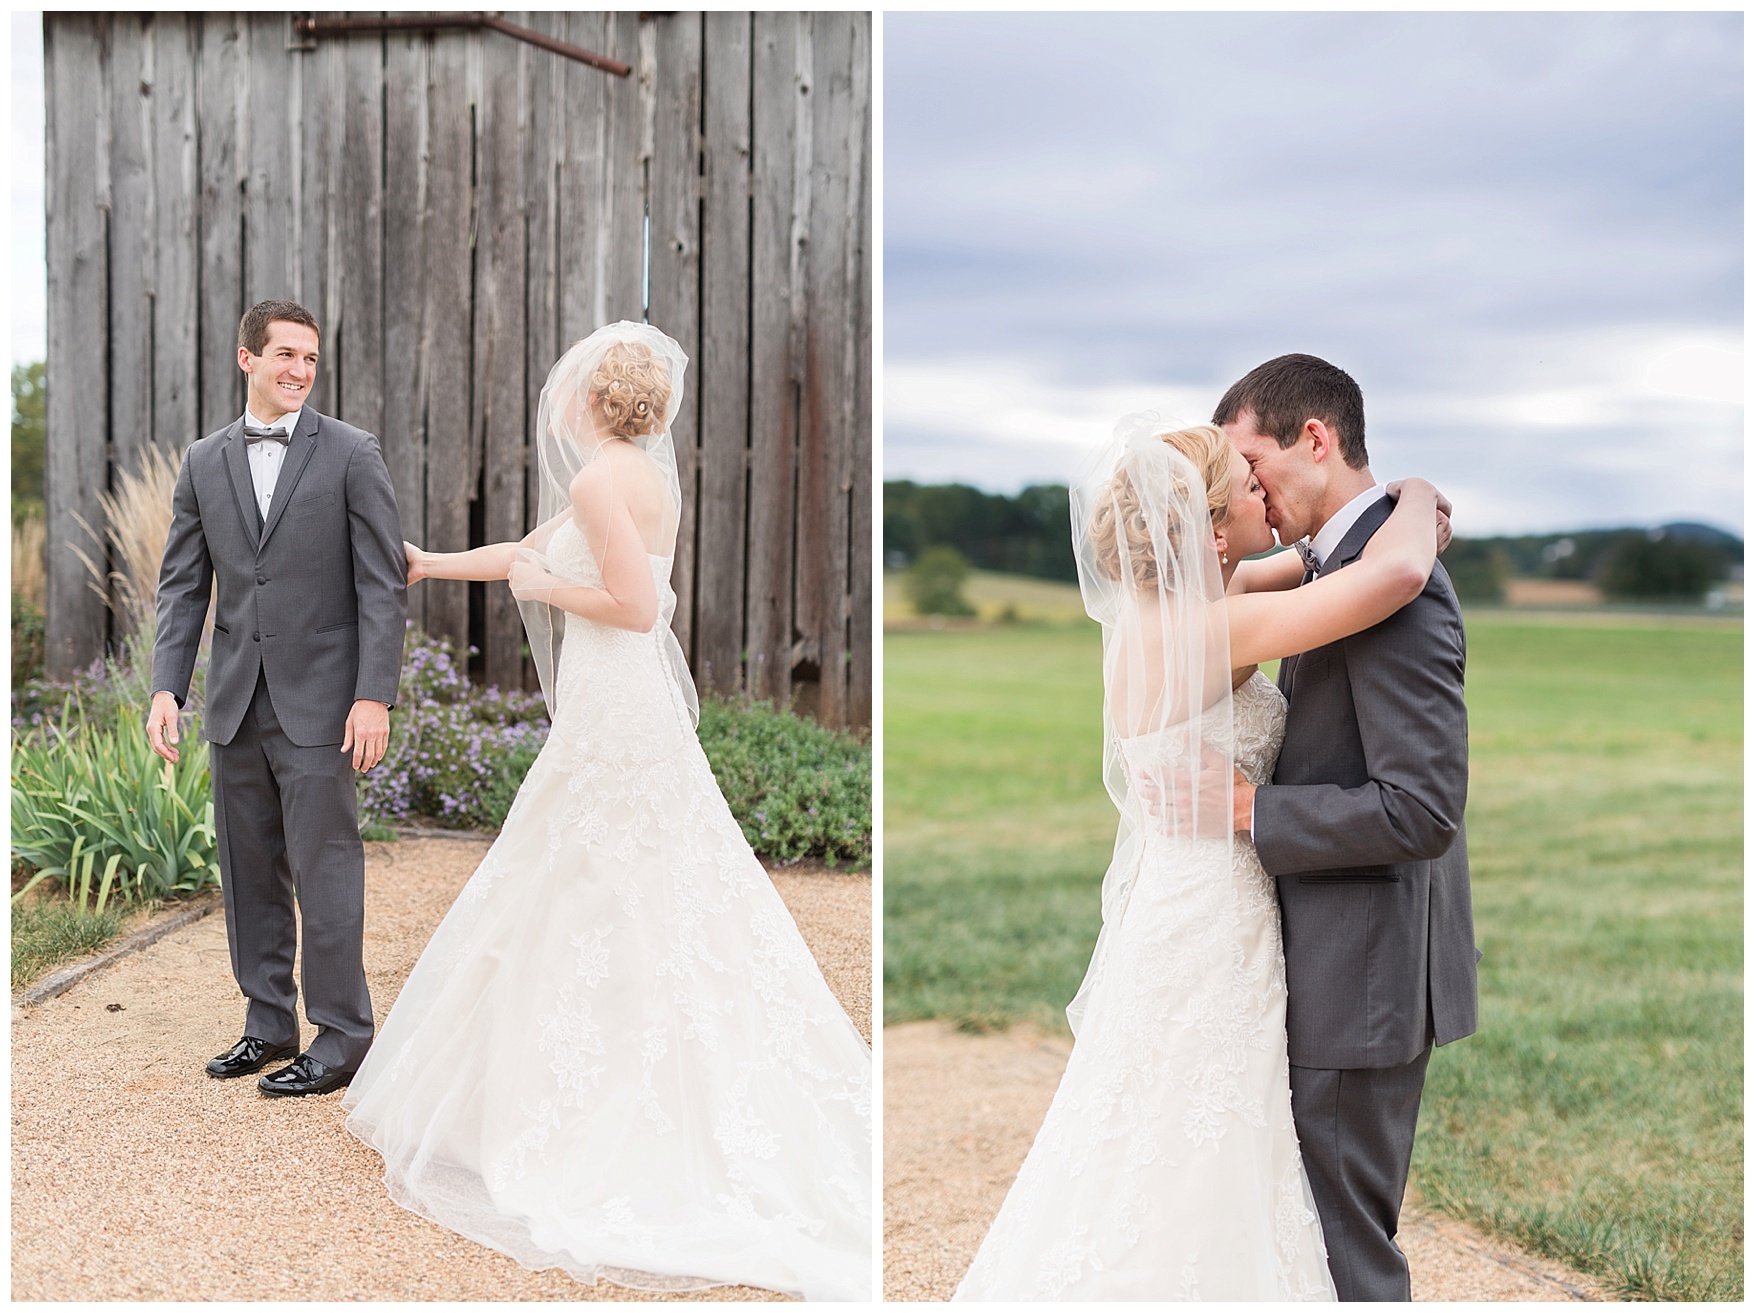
1597 1116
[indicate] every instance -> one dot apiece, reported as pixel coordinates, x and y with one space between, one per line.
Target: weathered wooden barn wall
456 208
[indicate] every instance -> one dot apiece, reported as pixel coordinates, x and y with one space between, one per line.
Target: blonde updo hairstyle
1119 524
631 388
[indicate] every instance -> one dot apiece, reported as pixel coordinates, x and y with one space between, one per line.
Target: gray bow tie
1307 554
252 434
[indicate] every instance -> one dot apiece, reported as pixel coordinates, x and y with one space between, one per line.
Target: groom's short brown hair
1288 390
253 327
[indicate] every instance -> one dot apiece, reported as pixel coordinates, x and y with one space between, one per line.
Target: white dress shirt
266 458
1329 536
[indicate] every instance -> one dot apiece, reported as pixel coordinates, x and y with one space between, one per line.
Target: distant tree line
1031 534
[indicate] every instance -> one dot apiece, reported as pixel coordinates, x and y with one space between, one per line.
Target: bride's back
635 482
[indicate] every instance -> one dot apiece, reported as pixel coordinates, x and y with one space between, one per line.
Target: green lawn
1597 1115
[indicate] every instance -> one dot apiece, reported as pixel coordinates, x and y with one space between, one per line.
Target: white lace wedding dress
1167 1167
617 1056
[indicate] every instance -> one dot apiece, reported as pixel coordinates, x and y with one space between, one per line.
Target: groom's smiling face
281 377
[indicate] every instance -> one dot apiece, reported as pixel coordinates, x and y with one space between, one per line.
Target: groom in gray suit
1362 828
293 514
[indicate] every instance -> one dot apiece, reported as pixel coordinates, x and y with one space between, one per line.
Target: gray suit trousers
287 829
1356 1135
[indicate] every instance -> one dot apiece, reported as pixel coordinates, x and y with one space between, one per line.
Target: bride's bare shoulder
619 470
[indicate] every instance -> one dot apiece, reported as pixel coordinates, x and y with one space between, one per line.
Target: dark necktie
253 435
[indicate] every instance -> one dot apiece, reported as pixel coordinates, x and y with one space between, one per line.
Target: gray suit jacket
1363 829
315 598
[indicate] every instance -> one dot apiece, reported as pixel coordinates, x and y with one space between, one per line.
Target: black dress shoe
305 1076
247 1055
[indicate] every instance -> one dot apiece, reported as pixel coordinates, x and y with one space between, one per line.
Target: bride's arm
1274 574
628 598
490 562
1390 573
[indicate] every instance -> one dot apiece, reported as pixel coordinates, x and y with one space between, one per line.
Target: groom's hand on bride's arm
368 733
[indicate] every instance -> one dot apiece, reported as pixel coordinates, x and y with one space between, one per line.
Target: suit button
261 578
255 638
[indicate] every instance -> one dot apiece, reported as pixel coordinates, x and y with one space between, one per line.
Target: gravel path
960 1112
135 1176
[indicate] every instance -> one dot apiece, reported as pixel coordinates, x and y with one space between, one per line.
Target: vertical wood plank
133 255
357 255
827 427
177 276
674 201
859 316
624 193
273 98
582 239
407 231
500 392
446 345
320 76
776 338
543 147
219 100
725 355
75 85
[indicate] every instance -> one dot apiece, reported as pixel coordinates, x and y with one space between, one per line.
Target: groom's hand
1176 810
1243 806
368 733
161 726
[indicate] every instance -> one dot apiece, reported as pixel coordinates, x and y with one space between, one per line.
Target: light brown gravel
135 1176
960 1112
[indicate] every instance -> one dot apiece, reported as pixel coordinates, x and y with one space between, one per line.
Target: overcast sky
1522 234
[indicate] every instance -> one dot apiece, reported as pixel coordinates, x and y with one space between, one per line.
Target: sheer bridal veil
622 383
1149 574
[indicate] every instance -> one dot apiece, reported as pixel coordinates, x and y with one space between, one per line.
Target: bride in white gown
1168 1166
617 1056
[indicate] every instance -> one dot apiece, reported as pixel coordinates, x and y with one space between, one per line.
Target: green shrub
29 640
935 582
1644 566
29 428
91 795
1477 571
458 752
797 788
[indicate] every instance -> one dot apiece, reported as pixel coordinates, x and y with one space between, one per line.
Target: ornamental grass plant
137 521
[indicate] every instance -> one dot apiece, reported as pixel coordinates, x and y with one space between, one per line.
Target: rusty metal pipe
308 25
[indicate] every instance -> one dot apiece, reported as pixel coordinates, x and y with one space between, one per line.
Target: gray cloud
1462 208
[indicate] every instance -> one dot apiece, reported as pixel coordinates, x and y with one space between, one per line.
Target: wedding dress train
1168 1167
617 1055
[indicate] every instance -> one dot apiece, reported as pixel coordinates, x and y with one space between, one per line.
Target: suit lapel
1345 553
1348 549
237 463
298 455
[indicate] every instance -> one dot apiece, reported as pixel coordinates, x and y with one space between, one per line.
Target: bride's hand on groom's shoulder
1394 492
